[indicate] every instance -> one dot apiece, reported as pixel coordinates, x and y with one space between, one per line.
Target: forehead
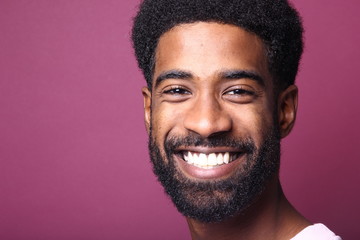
205 48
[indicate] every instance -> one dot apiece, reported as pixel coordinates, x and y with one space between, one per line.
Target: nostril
218 134
208 127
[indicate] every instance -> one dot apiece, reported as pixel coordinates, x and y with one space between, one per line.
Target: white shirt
316 232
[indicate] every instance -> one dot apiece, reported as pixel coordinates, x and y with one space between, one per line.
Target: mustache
244 144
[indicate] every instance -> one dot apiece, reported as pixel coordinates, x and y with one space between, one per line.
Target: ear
287 107
147 107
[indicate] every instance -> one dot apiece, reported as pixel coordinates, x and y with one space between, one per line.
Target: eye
240 94
176 90
240 91
175 94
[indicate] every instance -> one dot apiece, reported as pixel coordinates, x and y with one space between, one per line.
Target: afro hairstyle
276 22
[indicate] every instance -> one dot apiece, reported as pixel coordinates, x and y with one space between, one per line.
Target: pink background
73 156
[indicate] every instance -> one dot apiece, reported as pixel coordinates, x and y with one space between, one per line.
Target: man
220 95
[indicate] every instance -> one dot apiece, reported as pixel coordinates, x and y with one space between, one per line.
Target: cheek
165 119
252 121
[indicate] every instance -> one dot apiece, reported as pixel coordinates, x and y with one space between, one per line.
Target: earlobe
287 107
147 107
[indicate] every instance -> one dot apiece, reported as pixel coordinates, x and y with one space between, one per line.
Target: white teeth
202 159
196 159
190 158
212 159
208 160
186 158
226 157
220 159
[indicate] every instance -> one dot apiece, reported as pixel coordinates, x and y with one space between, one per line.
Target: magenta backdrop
73 156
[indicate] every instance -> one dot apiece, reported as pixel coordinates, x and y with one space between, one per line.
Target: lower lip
217 172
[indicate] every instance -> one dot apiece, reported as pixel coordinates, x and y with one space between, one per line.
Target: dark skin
213 79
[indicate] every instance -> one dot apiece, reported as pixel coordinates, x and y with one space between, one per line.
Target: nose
207 118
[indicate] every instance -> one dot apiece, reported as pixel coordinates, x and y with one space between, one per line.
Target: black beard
216 200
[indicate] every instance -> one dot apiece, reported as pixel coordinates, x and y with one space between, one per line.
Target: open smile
209 163
210 160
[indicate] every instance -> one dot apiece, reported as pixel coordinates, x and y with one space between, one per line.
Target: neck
271 217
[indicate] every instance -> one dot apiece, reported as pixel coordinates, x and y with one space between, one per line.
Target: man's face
212 119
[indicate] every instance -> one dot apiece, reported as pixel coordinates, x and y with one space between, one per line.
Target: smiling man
220 96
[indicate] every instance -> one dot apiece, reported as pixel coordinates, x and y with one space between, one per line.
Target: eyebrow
172 74
239 74
226 74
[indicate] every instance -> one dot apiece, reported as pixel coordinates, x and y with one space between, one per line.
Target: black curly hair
276 22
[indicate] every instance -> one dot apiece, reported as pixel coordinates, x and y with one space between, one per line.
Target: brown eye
175 94
240 95
240 91
176 91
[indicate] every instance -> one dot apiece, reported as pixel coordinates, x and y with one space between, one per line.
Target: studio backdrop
73 146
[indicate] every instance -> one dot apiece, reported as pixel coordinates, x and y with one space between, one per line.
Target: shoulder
316 232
